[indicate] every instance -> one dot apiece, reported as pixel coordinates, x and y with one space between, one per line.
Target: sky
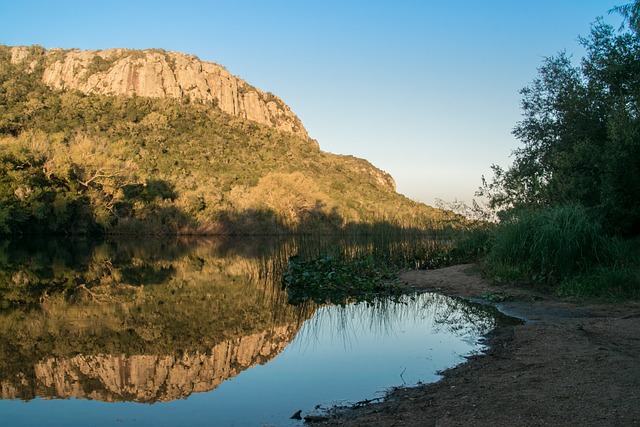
427 91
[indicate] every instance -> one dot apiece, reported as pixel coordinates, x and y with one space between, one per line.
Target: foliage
360 263
327 279
99 64
614 280
631 13
611 282
37 201
581 133
548 245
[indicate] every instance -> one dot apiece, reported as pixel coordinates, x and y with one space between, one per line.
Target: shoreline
571 363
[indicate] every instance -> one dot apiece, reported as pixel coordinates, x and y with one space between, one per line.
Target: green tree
580 133
32 200
631 14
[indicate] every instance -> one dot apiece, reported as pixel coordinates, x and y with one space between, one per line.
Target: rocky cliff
157 73
146 378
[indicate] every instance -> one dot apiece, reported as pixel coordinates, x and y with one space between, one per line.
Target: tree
32 200
580 133
631 14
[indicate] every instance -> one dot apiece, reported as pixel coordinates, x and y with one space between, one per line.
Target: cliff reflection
136 322
145 378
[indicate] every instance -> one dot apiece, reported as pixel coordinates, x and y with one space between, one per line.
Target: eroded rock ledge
158 73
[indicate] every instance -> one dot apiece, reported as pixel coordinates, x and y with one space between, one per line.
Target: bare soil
572 363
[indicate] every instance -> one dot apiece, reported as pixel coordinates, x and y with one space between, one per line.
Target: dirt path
569 364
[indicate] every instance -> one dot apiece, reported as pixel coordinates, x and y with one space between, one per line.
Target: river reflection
203 332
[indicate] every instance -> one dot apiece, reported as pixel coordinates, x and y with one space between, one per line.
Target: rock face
157 73
146 378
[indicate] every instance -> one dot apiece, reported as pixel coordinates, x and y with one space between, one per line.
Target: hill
128 141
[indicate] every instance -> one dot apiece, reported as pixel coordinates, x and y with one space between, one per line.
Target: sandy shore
569 364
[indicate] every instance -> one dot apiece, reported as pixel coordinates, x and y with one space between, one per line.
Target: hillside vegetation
75 162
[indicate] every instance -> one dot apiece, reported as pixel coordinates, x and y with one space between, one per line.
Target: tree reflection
74 323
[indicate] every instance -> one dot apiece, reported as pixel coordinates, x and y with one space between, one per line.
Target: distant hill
130 141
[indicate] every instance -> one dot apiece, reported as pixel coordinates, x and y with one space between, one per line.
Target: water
186 333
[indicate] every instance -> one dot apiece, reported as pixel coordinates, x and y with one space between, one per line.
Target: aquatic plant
326 279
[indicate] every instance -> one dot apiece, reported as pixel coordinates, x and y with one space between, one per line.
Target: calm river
199 332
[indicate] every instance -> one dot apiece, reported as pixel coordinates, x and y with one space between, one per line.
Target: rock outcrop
158 73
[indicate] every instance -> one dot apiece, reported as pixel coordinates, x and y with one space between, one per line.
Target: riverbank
571 363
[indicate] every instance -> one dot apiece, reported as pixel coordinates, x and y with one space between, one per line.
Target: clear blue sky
425 90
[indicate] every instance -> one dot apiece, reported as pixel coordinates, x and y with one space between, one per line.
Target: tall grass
472 244
564 248
610 282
